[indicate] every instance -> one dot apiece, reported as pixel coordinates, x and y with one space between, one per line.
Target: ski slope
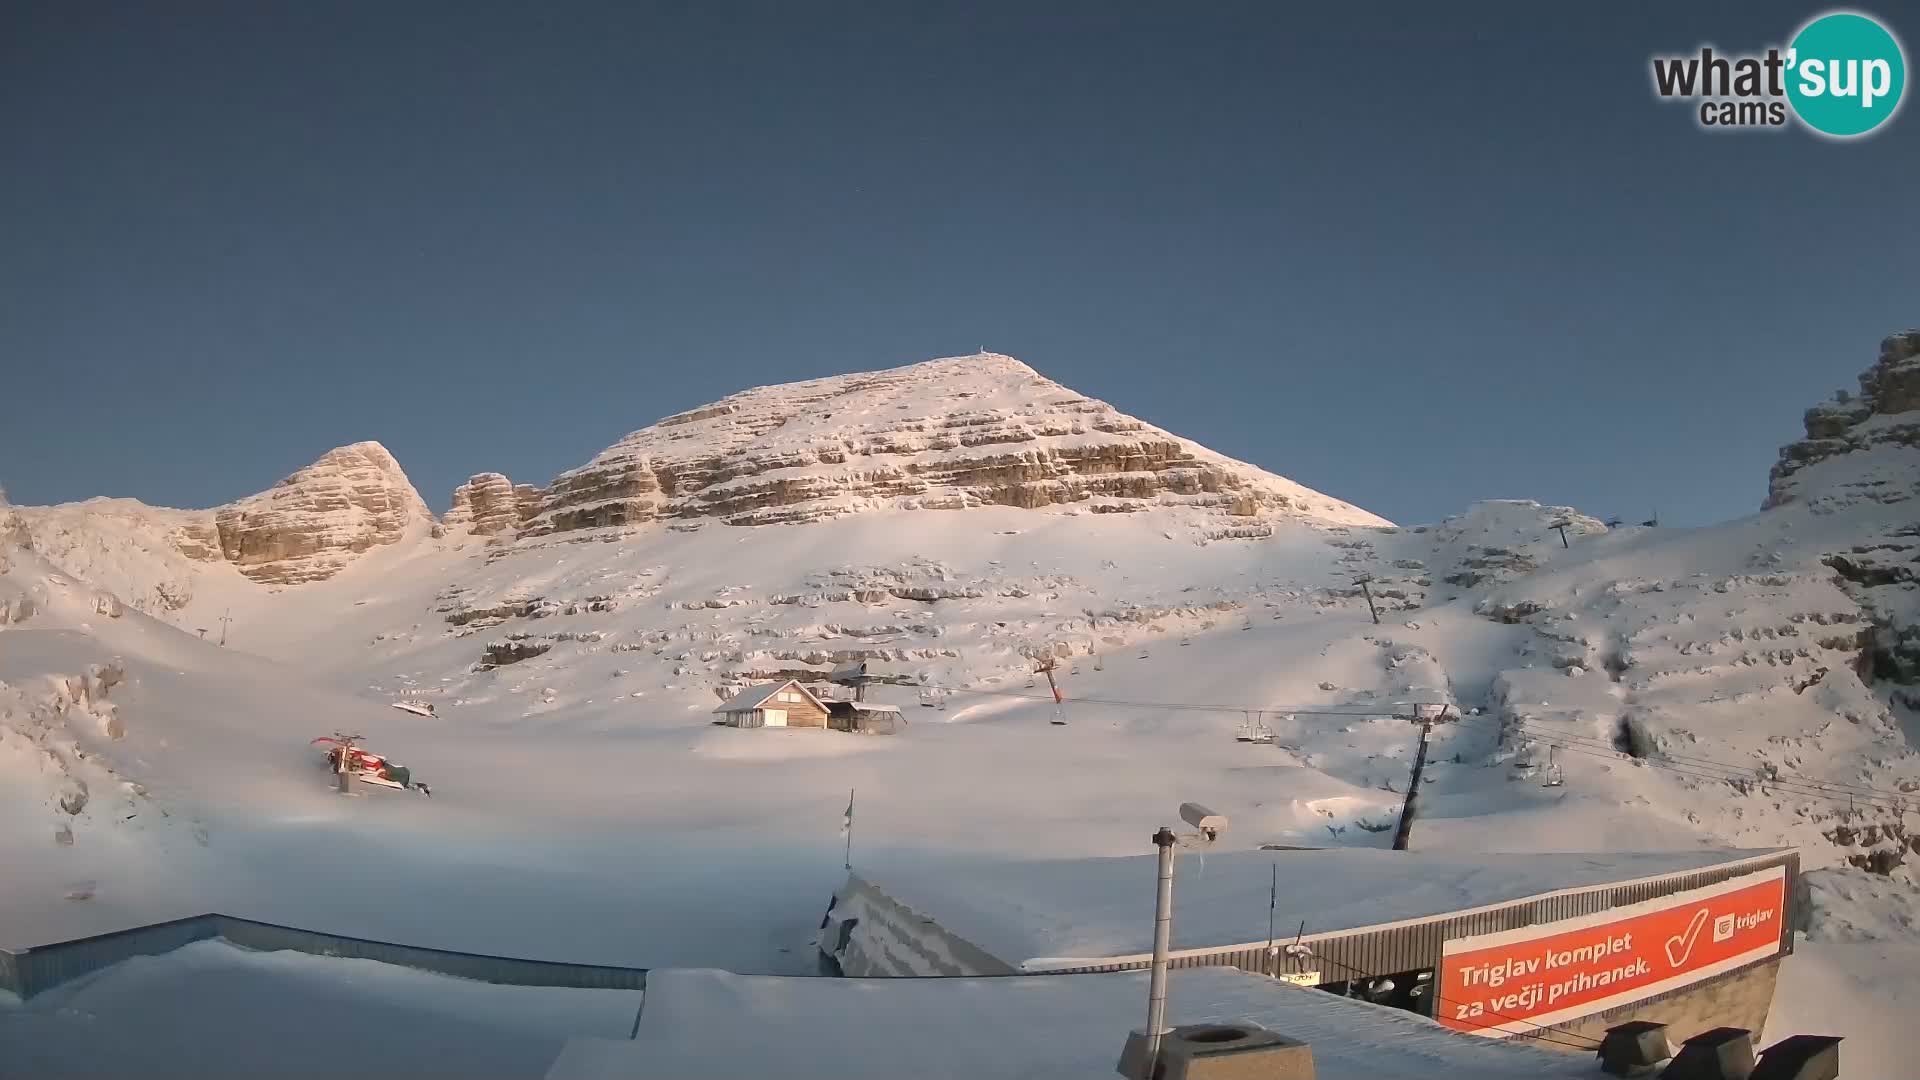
1688 688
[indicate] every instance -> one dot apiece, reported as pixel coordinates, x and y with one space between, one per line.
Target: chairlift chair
1556 776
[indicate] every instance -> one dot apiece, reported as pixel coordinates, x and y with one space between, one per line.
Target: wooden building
864 717
786 704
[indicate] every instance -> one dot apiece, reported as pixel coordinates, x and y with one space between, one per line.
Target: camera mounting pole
1162 936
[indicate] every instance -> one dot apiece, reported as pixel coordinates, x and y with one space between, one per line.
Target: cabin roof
755 696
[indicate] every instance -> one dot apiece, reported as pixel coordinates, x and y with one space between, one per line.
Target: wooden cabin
786 704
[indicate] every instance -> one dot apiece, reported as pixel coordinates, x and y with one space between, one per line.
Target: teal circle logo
1846 74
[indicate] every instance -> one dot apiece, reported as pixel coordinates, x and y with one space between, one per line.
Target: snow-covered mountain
957 433
1746 683
305 528
982 430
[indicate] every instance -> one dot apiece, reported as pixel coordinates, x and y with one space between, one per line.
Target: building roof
755 696
1047 914
852 671
712 1024
839 708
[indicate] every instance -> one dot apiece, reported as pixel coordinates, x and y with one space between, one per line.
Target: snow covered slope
1737 685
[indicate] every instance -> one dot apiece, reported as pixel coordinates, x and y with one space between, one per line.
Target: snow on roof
1042 914
868 706
699 1023
218 1011
755 696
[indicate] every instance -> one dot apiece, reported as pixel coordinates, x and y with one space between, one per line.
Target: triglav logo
1843 75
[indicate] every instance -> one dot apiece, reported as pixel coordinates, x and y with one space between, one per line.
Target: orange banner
1516 980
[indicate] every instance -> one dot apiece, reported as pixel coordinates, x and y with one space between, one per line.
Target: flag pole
848 830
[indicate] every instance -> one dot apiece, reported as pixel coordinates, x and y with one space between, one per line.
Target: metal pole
849 829
1273 902
1404 834
1162 935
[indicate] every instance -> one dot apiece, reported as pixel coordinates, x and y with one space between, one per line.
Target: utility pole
1162 937
1562 526
225 618
1273 903
1368 593
1404 833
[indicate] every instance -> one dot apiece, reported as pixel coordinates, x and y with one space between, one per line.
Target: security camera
1210 824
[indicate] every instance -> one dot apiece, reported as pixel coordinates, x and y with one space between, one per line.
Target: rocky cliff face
1861 457
1864 448
489 504
305 528
311 524
946 434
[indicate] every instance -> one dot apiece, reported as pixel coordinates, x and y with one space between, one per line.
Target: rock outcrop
489 504
1877 434
310 525
1862 456
946 434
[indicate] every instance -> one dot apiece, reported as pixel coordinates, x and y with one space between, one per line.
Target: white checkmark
1680 946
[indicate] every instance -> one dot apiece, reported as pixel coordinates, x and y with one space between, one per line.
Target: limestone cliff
945 434
489 504
1875 437
1861 459
311 524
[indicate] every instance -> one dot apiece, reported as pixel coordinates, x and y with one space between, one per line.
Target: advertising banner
1513 981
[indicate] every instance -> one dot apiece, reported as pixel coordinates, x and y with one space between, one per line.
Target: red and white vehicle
346 757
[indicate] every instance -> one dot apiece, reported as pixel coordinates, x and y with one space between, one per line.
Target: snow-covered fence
31 971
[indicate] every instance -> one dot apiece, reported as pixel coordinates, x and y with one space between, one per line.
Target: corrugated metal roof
1049 914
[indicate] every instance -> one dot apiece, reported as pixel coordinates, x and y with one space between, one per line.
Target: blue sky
1409 256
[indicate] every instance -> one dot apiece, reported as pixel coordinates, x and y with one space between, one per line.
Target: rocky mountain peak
309 525
1859 448
950 433
490 504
